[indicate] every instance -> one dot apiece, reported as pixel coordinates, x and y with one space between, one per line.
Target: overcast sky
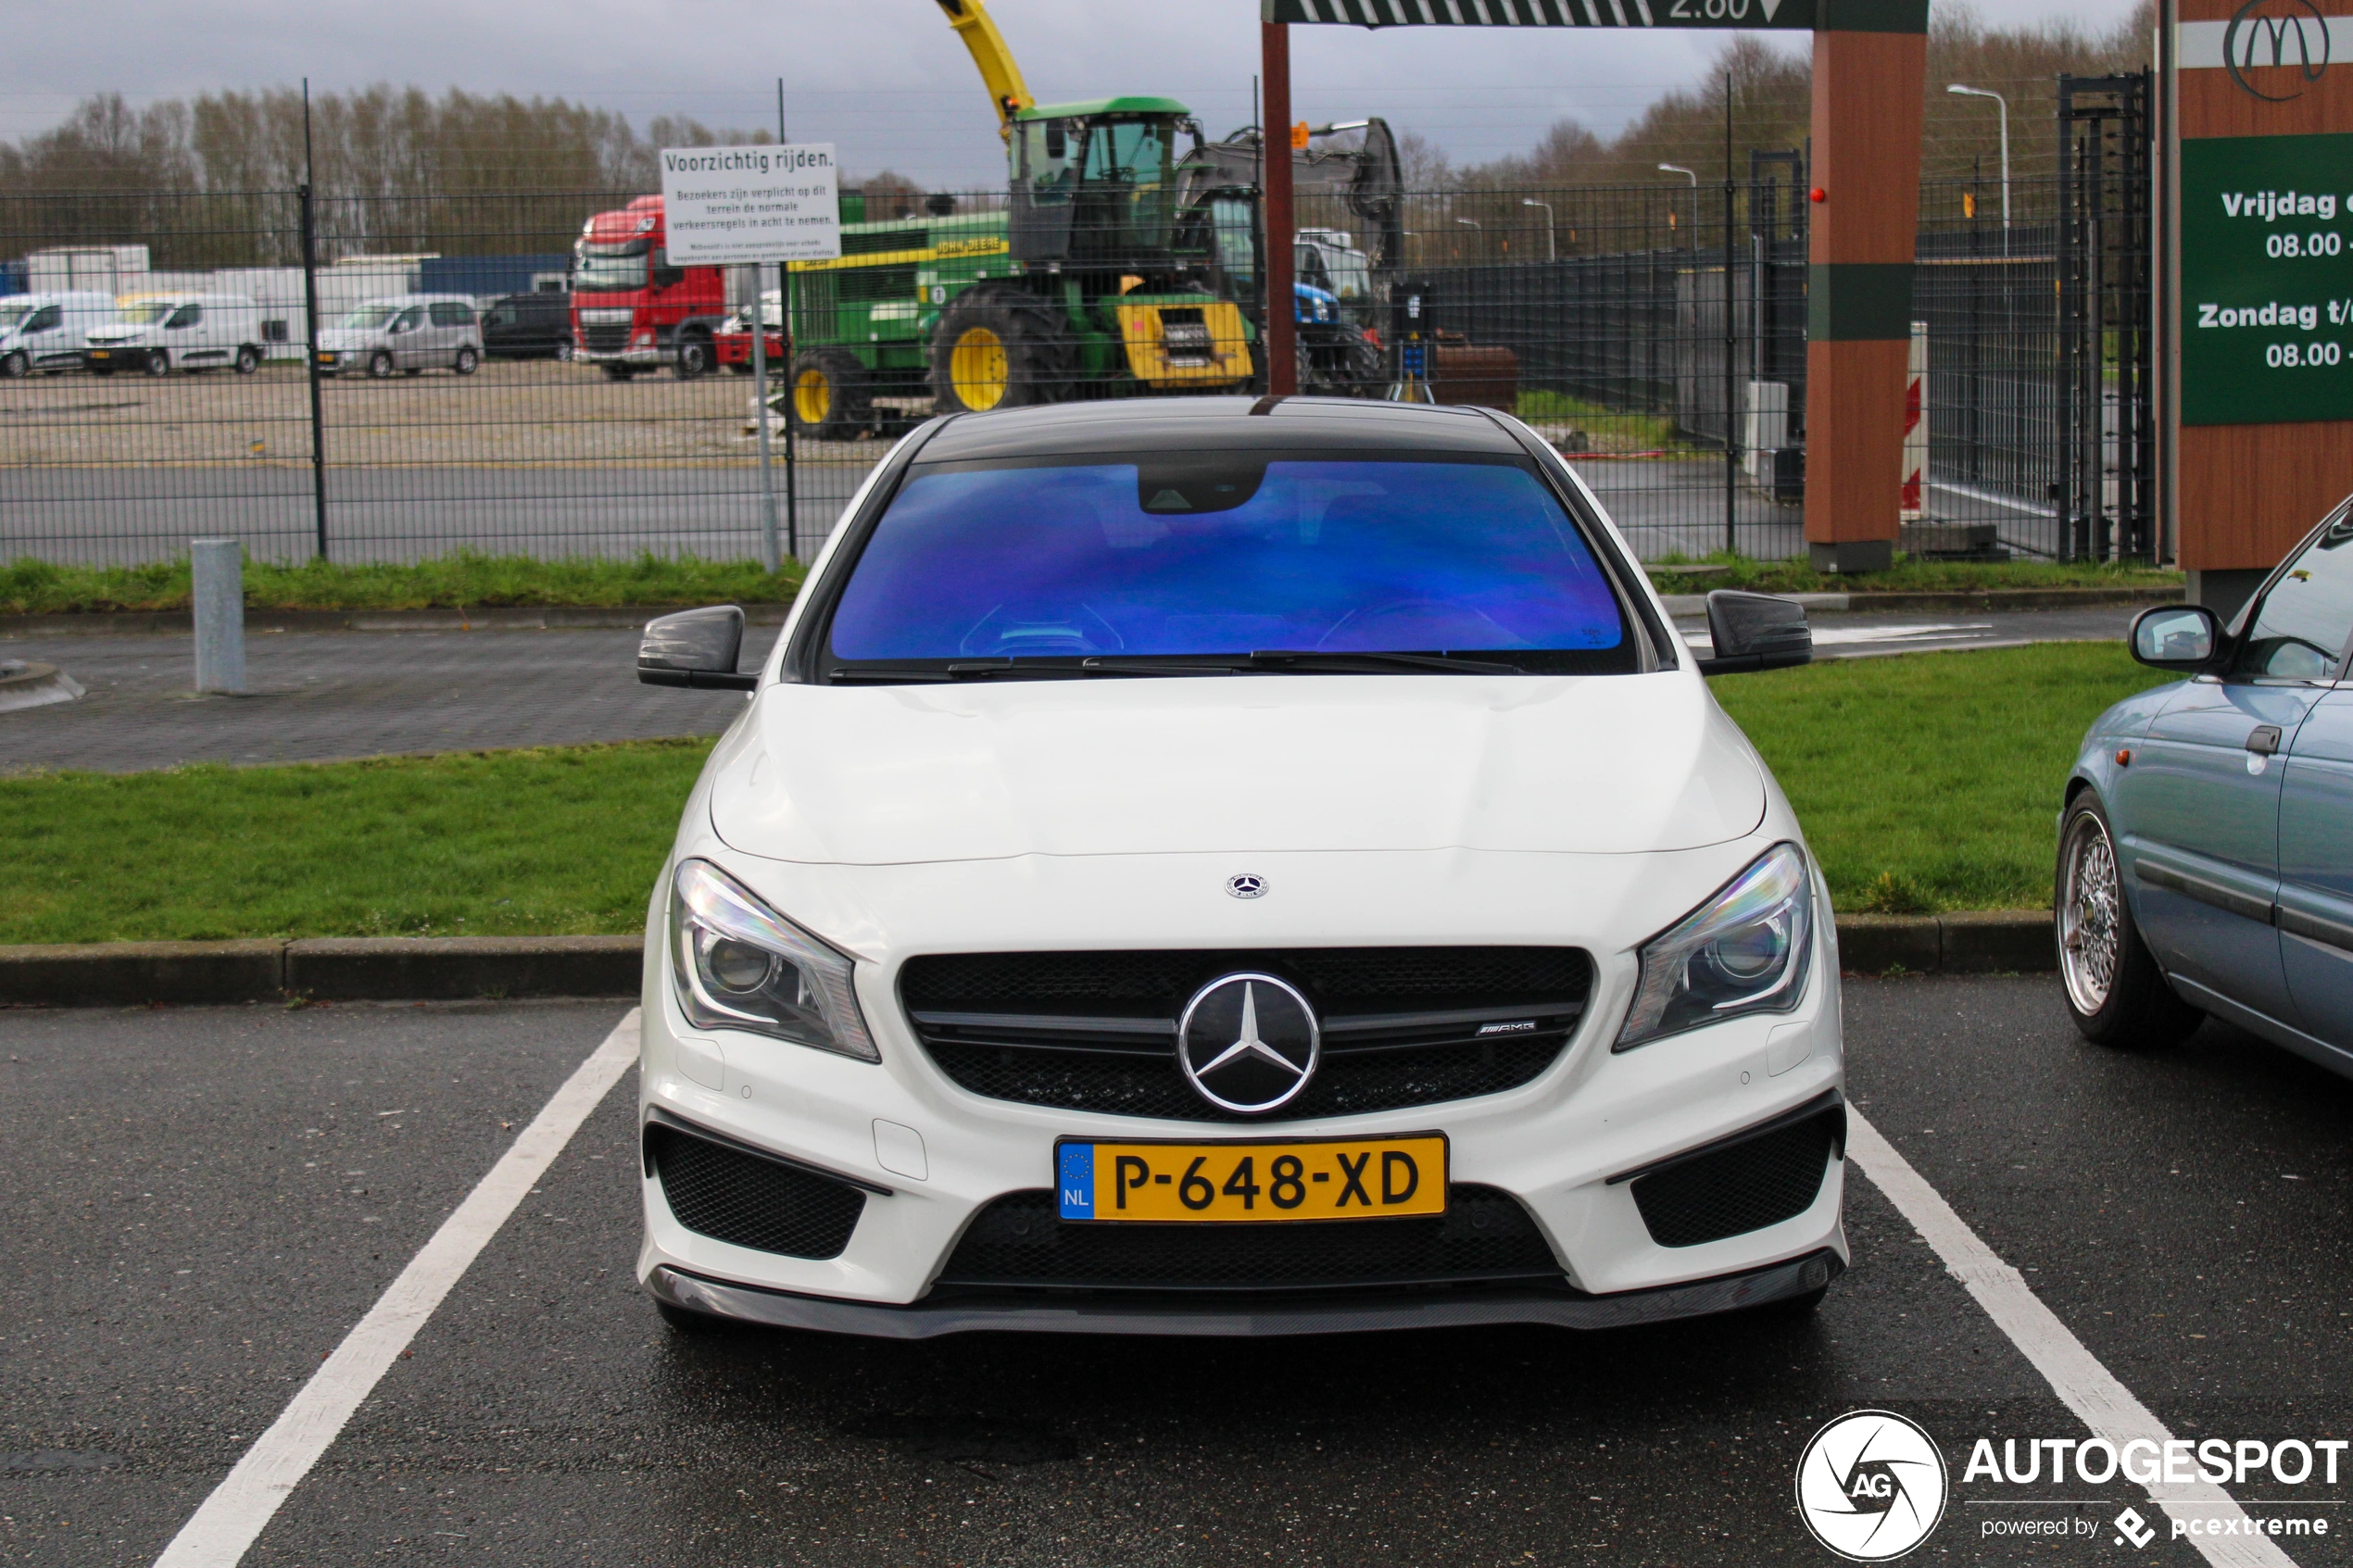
885 79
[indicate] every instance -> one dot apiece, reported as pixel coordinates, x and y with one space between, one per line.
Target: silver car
410 332
2206 846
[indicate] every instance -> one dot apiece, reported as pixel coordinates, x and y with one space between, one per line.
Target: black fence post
310 366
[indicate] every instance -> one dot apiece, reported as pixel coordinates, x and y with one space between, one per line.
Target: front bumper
1562 1147
975 1312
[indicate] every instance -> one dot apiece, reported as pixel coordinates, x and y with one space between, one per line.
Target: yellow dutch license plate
1229 1183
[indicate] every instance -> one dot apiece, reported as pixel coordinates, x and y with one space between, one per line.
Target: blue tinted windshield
1332 556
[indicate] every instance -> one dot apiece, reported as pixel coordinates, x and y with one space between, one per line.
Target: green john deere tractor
1116 265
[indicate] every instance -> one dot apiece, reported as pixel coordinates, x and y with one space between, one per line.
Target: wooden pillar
2265 442
1281 346
1871 60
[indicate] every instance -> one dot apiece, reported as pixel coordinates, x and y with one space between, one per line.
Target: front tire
248 360
998 347
618 372
694 359
380 365
16 365
466 362
827 396
158 362
2115 990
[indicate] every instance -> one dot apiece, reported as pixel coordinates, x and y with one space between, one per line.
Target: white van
161 332
50 332
410 332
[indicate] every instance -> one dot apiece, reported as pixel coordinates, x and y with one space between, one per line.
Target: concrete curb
1977 942
325 968
1950 603
531 618
455 968
558 618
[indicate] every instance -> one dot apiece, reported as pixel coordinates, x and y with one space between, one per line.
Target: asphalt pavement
206 1200
320 696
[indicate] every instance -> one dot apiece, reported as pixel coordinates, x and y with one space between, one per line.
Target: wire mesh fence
387 379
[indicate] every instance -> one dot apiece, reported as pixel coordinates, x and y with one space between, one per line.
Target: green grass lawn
466 580
1930 781
556 841
1925 782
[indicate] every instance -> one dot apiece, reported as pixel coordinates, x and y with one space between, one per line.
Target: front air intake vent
734 1196
1743 1186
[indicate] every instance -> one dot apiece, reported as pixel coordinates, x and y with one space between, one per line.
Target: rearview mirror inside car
1754 632
698 648
2181 637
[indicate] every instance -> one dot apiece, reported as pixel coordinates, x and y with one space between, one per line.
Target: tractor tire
998 347
827 396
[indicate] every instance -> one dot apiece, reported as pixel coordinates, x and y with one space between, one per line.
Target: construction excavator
1116 264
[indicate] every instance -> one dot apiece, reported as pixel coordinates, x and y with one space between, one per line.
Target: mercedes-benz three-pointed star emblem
1248 1043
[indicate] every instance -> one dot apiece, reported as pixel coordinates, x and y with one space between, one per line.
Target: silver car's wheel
2089 910
2115 989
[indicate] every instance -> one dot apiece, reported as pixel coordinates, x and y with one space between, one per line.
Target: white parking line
2082 1383
231 1518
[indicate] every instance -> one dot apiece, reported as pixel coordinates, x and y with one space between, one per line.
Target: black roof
1191 424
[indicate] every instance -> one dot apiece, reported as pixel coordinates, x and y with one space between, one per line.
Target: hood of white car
109 336
1622 764
343 338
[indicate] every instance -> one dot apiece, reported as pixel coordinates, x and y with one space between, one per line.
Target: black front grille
733 1196
1020 1240
605 340
1742 1186
1096 1032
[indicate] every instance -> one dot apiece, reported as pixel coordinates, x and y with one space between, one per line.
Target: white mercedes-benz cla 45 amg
1206 866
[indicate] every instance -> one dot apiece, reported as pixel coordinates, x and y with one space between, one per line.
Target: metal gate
2106 492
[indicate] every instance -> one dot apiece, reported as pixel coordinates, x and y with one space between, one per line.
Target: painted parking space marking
2075 1373
228 1521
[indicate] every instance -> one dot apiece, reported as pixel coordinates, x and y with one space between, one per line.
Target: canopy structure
1871 64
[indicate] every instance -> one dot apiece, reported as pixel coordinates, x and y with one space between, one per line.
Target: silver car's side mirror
1754 632
2178 637
698 648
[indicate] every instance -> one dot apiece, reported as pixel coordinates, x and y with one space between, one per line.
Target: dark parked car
528 326
2206 849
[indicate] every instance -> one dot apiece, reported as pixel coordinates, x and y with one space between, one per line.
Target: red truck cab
631 309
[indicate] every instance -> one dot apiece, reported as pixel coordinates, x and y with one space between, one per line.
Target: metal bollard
220 614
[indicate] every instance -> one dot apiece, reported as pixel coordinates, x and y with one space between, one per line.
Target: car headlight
1745 950
737 964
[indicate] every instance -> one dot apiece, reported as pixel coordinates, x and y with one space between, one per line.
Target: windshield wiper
1451 663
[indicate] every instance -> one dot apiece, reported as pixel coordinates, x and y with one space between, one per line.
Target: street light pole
2002 106
1473 223
1552 251
1678 169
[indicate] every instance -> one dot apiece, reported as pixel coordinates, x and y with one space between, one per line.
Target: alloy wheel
2091 913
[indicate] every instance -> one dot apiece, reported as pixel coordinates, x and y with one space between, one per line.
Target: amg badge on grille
1248 1043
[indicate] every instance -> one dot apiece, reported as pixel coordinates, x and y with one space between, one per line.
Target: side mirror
2178 637
696 648
1754 632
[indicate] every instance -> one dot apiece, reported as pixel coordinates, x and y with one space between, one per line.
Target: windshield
1351 279
146 313
368 318
602 271
1231 555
